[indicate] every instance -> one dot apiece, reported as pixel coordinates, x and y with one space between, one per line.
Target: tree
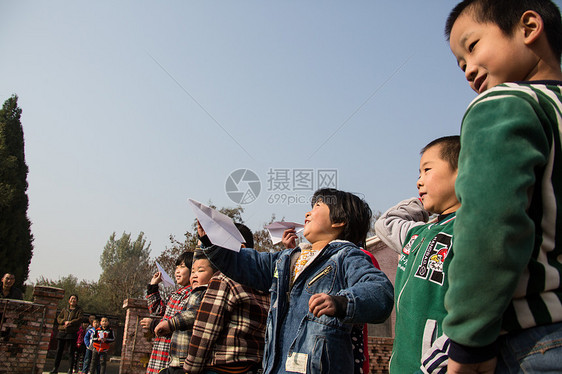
16 240
88 295
167 259
126 270
262 240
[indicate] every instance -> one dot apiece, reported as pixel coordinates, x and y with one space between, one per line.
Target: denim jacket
296 340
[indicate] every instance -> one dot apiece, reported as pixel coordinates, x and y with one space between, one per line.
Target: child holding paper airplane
159 358
228 332
180 326
318 290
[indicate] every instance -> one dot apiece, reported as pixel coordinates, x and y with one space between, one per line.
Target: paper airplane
219 227
276 229
166 279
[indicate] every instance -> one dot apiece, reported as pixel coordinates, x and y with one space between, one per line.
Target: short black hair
186 257
246 234
347 208
450 149
507 13
199 255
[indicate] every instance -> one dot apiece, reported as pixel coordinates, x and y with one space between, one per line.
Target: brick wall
380 350
136 347
25 329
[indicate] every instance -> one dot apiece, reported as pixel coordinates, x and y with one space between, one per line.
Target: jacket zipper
316 278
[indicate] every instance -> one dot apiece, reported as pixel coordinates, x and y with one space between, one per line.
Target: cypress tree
16 246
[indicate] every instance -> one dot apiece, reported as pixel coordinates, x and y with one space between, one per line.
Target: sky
132 107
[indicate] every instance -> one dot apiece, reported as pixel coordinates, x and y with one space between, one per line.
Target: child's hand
145 323
162 329
200 230
289 238
156 278
322 304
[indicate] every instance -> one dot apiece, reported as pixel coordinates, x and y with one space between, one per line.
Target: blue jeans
534 350
87 359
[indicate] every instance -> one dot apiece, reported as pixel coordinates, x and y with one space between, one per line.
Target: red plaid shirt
229 328
160 356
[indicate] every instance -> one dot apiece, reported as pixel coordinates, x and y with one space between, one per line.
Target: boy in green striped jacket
504 298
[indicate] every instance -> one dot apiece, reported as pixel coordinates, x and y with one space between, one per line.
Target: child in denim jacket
318 290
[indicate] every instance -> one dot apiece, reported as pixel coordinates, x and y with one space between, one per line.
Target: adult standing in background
69 320
8 289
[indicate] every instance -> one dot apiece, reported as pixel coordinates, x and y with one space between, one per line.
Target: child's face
436 183
182 274
318 226
104 322
201 273
96 324
489 57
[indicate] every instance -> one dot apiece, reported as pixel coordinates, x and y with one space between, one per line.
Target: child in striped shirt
507 270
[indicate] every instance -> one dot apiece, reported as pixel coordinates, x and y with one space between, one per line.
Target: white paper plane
276 229
168 281
219 227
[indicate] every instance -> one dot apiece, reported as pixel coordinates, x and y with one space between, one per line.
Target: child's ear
532 25
338 225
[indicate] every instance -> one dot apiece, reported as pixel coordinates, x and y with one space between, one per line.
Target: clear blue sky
131 107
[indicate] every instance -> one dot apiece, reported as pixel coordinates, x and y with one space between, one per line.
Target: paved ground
111 368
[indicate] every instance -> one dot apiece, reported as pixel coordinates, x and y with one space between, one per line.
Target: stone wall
25 329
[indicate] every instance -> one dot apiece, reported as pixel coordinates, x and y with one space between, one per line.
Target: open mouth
479 83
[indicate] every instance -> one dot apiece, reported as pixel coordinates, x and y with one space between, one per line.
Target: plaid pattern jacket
159 358
182 325
229 328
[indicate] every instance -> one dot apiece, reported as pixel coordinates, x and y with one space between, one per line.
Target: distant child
425 253
318 290
80 346
159 358
102 340
89 344
507 270
228 332
181 325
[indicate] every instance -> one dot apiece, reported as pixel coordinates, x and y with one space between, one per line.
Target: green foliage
89 297
125 270
16 239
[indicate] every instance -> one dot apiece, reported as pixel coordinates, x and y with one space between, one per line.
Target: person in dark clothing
69 320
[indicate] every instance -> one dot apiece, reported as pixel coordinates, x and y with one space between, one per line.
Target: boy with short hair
425 253
88 343
159 357
101 339
507 269
228 332
181 324
318 291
